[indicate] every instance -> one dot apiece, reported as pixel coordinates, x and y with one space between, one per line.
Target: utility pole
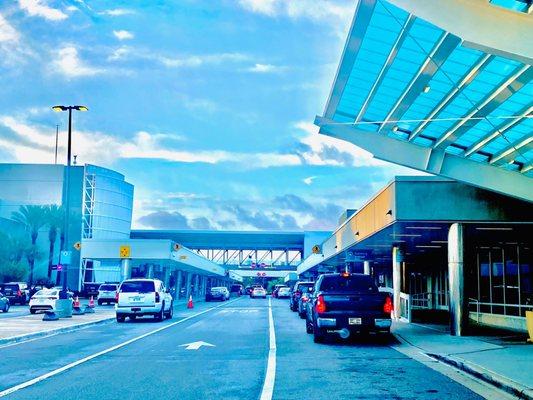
57 136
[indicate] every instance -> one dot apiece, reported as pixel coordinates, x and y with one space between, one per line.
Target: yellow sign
183 257
77 246
316 249
125 251
176 246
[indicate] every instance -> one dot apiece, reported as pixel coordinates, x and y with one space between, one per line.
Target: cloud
13 51
8 34
309 180
199 60
265 68
117 12
165 220
71 65
323 10
123 35
39 8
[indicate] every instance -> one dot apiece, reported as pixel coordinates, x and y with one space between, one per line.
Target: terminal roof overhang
415 94
232 240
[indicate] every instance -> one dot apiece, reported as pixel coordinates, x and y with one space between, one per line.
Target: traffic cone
89 309
76 302
189 303
76 310
91 302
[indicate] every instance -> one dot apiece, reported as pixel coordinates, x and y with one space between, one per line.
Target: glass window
137 287
526 279
358 284
498 280
511 280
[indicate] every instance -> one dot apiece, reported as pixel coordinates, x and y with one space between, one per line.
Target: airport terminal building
446 89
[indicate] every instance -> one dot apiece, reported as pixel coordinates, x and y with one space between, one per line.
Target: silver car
107 293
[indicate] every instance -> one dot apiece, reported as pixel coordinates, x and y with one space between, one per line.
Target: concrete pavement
144 360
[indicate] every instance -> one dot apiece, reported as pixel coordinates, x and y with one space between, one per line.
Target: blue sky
205 106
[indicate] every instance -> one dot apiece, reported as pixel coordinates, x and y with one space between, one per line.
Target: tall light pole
63 293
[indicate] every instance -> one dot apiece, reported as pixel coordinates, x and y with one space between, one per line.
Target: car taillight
157 297
305 299
116 296
320 304
297 293
19 293
388 307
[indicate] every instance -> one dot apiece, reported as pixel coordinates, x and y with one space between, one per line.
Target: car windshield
304 287
46 292
137 287
108 287
353 283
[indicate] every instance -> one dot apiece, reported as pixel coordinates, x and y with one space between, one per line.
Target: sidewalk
500 358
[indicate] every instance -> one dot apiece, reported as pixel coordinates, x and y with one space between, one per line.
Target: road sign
125 251
176 246
316 249
58 267
196 345
77 245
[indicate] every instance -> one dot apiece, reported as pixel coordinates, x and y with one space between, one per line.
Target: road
234 367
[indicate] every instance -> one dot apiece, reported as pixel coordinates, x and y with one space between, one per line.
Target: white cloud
265 68
198 60
318 10
39 8
70 64
309 180
117 12
8 34
123 35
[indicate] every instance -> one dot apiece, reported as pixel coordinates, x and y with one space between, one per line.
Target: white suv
138 297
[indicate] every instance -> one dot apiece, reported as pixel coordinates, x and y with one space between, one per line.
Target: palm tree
54 220
33 218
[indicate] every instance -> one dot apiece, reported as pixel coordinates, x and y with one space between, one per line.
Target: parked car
45 300
347 303
217 293
140 297
107 293
297 290
255 286
16 292
276 288
248 290
302 303
4 303
283 292
258 292
237 289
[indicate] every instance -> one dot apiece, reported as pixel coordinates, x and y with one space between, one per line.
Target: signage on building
316 249
125 251
77 245
65 257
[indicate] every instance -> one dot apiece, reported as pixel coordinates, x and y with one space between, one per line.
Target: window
137 287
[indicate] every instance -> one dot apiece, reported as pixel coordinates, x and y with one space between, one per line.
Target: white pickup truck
139 297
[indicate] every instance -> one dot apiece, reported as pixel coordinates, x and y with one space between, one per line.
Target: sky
206 106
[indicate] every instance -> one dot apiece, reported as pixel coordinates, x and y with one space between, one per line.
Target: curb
505 384
65 329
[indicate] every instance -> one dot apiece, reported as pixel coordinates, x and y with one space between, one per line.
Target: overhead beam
438 55
520 77
515 149
404 33
360 22
499 131
431 160
482 62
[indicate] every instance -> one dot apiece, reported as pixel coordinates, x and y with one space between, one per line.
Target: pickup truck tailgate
367 302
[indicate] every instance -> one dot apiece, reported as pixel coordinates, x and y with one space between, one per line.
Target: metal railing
478 304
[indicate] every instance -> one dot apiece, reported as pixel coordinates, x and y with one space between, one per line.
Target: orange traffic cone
76 302
189 303
91 302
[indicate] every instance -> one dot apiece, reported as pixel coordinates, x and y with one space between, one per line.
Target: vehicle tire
318 335
133 317
32 311
301 315
6 307
170 312
121 318
160 315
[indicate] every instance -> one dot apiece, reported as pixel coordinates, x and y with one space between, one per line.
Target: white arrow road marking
196 345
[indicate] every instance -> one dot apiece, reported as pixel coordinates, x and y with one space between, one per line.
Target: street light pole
63 293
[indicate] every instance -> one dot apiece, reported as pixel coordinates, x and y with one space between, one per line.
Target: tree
54 219
33 218
12 267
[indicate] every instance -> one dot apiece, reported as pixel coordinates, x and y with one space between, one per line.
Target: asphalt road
234 367
16 311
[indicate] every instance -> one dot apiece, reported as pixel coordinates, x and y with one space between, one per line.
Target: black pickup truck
347 303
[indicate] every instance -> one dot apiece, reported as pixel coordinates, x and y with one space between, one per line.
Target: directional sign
316 249
125 251
196 345
77 245
176 246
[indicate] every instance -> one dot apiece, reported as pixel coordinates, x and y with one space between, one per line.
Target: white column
179 283
150 271
125 270
366 267
397 258
458 314
188 285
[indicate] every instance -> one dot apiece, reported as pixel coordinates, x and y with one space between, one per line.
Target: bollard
50 316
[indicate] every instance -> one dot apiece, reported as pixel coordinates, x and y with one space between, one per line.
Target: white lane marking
270 376
196 345
101 353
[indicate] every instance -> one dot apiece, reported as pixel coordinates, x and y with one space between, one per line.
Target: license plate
136 298
354 321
